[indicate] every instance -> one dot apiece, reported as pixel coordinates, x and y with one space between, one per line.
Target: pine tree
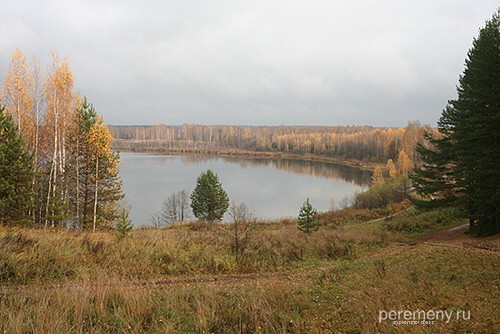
16 173
306 221
123 224
433 179
82 121
464 162
209 201
96 186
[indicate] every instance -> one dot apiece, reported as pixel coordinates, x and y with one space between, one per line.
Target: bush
423 221
381 195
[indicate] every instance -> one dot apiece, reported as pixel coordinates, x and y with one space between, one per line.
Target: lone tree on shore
306 221
208 200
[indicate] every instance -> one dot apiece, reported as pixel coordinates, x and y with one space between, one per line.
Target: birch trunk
95 197
78 181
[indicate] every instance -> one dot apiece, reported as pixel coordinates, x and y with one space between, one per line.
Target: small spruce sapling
306 221
123 224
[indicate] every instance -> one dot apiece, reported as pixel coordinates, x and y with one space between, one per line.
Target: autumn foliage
358 143
74 176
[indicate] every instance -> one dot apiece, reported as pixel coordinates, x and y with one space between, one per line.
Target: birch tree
378 176
16 89
391 167
59 98
404 163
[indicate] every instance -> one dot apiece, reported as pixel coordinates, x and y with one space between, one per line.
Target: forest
360 143
58 169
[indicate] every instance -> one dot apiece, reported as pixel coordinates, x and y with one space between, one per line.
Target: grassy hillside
186 279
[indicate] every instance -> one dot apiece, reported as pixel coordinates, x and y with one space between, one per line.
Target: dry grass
345 298
337 281
417 278
30 256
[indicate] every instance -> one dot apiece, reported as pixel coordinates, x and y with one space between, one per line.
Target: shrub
423 221
381 195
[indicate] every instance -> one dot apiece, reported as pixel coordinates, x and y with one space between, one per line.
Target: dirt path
457 237
378 219
279 278
451 234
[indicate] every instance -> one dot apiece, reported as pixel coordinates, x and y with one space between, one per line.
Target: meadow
187 277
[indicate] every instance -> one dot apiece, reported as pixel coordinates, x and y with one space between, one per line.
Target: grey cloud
253 62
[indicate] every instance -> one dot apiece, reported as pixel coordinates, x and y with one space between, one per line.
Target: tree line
57 165
362 143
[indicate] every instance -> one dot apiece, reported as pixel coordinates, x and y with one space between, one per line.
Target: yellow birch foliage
60 104
59 89
16 90
405 165
99 140
378 176
391 167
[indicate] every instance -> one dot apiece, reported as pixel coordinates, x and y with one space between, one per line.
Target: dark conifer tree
82 173
16 174
209 201
462 168
306 221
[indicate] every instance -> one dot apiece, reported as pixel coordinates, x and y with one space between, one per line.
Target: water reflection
320 169
272 187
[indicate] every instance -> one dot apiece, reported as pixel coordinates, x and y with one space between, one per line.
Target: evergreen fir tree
84 118
16 173
306 221
462 168
93 171
123 224
433 179
209 201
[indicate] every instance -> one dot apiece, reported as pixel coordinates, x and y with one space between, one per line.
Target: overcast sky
316 62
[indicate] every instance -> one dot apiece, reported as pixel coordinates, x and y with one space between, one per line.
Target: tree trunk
77 223
18 111
497 220
86 190
95 197
35 158
48 195
64 190
52 178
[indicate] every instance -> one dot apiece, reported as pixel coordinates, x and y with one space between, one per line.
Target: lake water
272 188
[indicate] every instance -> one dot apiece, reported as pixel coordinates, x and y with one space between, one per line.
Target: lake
271 188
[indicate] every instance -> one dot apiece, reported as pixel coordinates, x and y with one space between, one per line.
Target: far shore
125 145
